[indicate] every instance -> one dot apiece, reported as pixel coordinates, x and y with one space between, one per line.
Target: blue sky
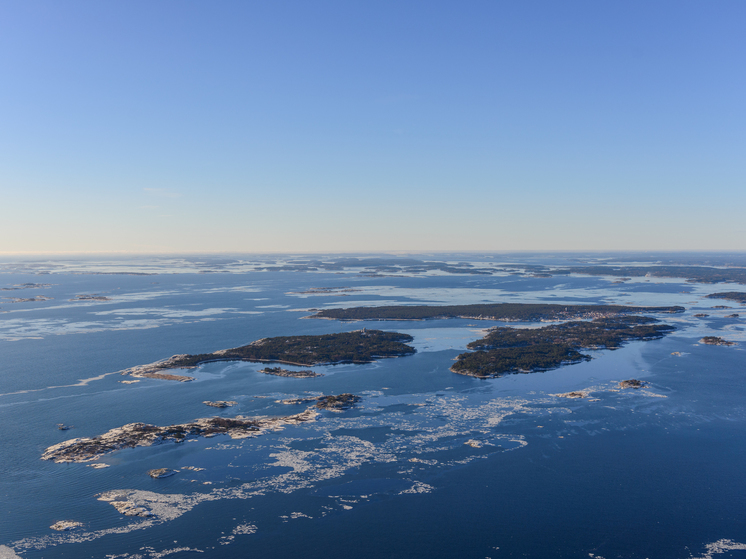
315 126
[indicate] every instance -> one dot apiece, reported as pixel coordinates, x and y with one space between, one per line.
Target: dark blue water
652 473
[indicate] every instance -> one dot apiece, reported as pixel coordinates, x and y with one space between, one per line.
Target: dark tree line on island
698 274
512 350
362 346
503 350
490 311
738 296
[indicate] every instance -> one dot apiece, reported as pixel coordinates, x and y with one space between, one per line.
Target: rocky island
692 274
360 346
141 434
159 473
28 299
66 525
325 291
632 383
715 340
509 312
739 296
337 403
280 372
220 403
527 350
331 402
90 298
573 395
20 286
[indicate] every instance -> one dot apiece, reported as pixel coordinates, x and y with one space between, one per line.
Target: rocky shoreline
340 402
93 297
141 434
574 394
280 372
361 346
716 340
153 370
632 383
220 403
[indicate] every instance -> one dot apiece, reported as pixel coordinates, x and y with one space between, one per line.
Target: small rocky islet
280 372
220 403
716 340
632 383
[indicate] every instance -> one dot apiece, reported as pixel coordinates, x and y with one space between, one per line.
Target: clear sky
321 126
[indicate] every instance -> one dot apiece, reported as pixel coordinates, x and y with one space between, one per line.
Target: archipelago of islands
504 350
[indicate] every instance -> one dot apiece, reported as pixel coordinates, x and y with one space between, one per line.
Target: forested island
738 296
361 346
695 274
525 312
522 350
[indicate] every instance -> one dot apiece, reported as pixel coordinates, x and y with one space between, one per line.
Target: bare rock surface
133 435
65 525
632 383
220 403
574 394
715 340
159 473
331 402
280 372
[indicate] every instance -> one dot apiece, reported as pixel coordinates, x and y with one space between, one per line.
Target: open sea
430 464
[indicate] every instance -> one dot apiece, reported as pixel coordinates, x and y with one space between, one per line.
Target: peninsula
508 312
527 350
360 346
